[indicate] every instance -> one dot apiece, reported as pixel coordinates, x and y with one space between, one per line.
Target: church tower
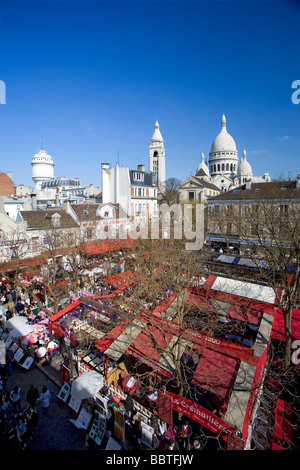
157 162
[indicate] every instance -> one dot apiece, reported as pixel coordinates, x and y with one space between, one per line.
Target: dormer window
55 220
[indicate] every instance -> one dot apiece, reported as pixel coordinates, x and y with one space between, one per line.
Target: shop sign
200 415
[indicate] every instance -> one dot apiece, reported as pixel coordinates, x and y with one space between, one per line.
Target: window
35 244
106 214
191 195
55 220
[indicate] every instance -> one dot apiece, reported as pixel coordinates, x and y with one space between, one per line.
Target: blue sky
91 78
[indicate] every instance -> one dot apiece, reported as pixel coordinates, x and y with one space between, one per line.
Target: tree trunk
288 334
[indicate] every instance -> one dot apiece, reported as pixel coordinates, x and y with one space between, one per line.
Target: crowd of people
18 420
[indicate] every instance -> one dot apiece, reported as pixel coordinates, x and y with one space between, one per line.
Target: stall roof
227 305
215 372
124 340
150 347
245 289
93 248
278 329
65 310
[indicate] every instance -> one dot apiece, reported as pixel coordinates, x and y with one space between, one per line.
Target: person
21 431
4 402
32 419
45 399
185 434
171 445
19 307
196 445
15 398
129 406
10 438
9 362
32 395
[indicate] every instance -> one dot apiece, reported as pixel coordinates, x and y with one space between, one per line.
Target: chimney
33 202
141 167
66 206
9 174
57 199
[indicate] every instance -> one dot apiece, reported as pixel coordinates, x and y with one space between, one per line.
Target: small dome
202 166
244 168
223 142
157 137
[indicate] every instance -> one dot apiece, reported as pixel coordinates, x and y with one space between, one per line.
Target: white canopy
21 330
87 385
15 322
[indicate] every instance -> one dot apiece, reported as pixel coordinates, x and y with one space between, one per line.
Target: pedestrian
171 445
19 307
32 419
15 398
45 399
32 395
9 362
196 445
10 438
185 434
4 402
21 431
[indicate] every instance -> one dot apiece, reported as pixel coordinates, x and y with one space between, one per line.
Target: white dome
157 137
203 166
244 167
42 167
223 142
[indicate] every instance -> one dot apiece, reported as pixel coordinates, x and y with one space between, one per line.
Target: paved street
54 430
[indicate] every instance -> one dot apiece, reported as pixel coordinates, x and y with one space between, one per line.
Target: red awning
149 347
100 246
110 337
215 372
65 310
122 279
278 330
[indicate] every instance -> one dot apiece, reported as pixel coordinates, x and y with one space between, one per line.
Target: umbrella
97 270
15 322
21 330
31 338
87 385
86 272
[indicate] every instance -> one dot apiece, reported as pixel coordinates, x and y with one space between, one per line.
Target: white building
157 161
134 190
224 169
42 168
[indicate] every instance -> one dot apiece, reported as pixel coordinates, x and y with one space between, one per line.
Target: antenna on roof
41 146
